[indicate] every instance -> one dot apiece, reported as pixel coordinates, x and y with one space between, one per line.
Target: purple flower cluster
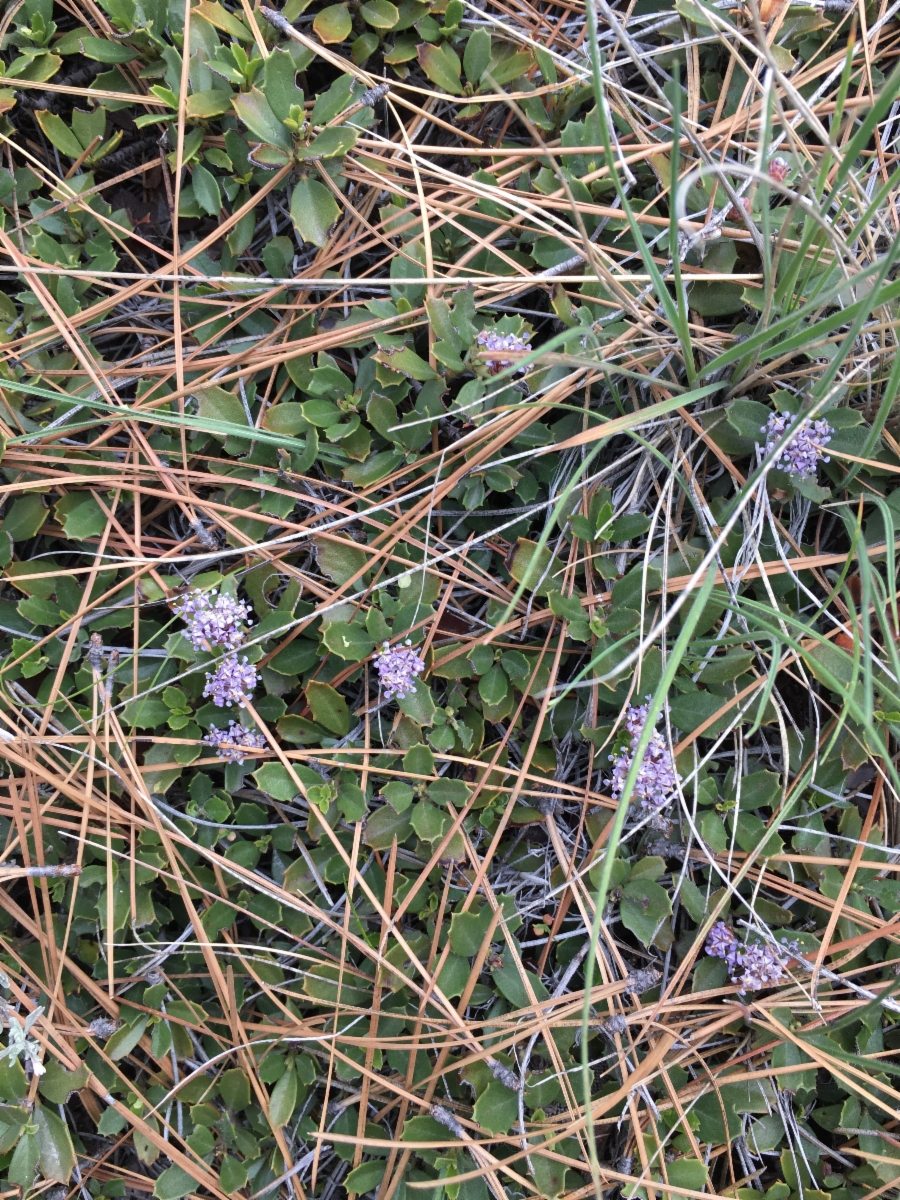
656 777
234 743
499 342
805 449
231 681
398 669
213 619
761 966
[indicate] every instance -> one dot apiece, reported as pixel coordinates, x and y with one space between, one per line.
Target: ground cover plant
449 677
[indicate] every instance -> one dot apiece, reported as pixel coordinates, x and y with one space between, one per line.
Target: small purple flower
397 670
235 742
231 681
762 966
499 342
804 451
656 778
721 943
213 619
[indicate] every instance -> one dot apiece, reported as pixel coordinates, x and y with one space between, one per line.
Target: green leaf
442 66
313 211
535 567
406 362
57 1084
206 189
787 1054
546 64
57 132
173 1184
234 1088
275 780
398 795
331 143
367 1176
496 1108
283 1100
333 24
716 299
568 607
255 111
645 905
232 1175
38 70
349 642
215 404
111 1123
689 711
748 418
100 50
56 1154
279 86
709 973
22 1168
493 686
477 55
503 69
549 1176
383 825
380 14
80 515
285 418
221 18
626 528
25 517
428 822
124 1040
449 791
418 760
340 560
713 832
688 1173
468 930
375 468
419 705
211 102
351 799
423 1129
329 708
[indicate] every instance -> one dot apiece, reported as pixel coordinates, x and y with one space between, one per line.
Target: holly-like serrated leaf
429 823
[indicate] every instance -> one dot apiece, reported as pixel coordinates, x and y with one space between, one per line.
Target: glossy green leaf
255 111
350 642
313 211
283 1100
56 1154
380 14
442 66
333 24
329 708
